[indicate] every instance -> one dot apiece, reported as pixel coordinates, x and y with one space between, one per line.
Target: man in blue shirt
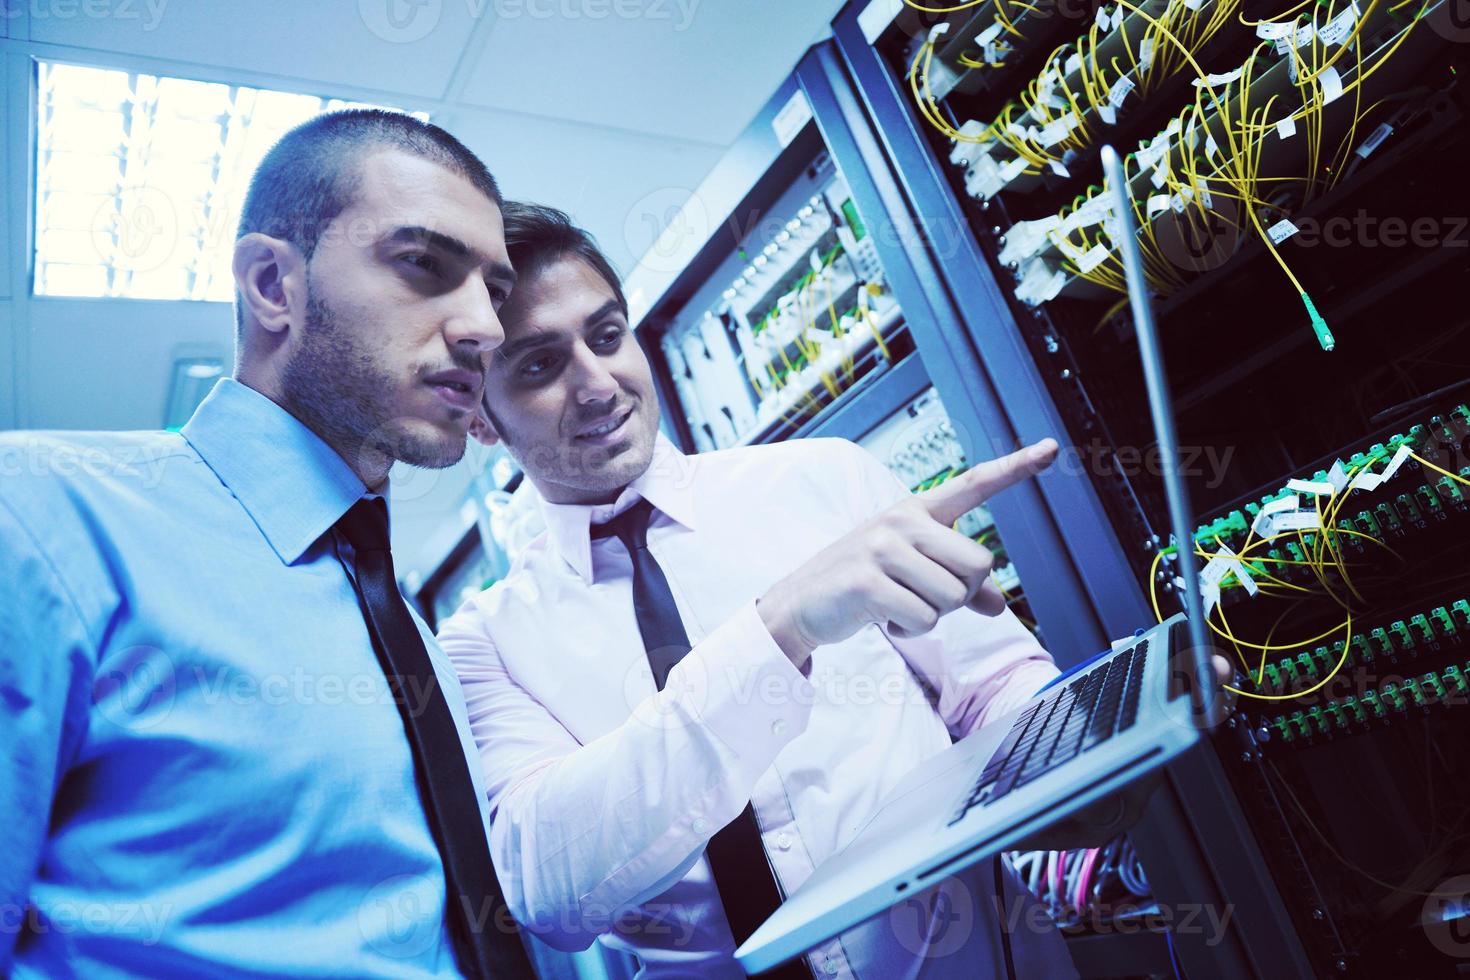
228 747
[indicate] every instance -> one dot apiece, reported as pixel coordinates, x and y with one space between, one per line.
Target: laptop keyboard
1086 712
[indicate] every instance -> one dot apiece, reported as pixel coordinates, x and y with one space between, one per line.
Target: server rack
1208 839
745 186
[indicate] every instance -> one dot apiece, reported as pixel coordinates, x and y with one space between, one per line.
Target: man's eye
610 337
423 261
498 294
537 366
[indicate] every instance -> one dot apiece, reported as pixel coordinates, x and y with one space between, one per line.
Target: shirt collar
667 484
291 483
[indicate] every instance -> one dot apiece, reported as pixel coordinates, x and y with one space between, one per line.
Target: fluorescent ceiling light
140 179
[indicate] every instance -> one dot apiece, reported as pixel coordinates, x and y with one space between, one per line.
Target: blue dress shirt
203 771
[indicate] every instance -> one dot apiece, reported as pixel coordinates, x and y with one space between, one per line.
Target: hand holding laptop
905 567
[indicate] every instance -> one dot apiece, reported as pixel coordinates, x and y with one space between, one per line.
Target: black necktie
737 855
475 907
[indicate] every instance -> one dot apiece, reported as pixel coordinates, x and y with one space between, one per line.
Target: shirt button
701 825
831 966
778 727
783 841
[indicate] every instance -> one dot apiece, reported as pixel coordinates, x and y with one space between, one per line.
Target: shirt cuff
746 692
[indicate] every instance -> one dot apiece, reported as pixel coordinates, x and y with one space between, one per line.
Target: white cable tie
1302 520
1319 488
1286 127
1331 83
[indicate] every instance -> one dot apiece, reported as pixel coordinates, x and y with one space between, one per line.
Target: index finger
959 495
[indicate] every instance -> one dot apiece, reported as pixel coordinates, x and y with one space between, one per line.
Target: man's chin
434 448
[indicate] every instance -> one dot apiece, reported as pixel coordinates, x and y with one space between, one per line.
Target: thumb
955 497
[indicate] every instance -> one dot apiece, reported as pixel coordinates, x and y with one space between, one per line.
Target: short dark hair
536 236
311 174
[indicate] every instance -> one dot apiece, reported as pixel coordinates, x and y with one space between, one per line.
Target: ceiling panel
408 46
612 183
686 69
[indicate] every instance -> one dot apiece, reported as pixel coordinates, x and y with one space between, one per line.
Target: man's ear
270 274
483 429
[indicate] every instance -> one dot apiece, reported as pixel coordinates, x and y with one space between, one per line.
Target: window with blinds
140 179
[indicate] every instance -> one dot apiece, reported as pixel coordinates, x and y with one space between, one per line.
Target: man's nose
594 382
473 324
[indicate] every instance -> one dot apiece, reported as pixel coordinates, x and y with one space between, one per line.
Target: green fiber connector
1403 642
1407 509
1386 517
1299 723
1432 686
1454 680
1368 525
1373 703
1381 642
1319 325
1316 720
1352 707
1428 499
1419 626
1416 695
1289 667
1334 711
1449 491
1460 610
1283 728
1307 664
1443 624
1363 648
1394 697
1462 412
1272 677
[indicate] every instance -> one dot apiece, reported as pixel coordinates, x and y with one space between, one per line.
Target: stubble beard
336 388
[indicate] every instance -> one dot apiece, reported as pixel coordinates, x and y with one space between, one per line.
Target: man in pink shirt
699 683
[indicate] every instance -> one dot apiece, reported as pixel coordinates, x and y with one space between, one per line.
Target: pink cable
1059 861
1084 877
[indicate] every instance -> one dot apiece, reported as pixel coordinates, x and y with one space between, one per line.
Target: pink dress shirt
604 791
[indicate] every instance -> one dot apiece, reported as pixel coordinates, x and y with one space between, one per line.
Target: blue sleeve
46 667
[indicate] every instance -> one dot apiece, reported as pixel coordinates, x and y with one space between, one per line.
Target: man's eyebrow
418 235
597 315
511 348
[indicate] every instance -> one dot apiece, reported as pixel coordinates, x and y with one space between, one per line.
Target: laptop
1120 716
